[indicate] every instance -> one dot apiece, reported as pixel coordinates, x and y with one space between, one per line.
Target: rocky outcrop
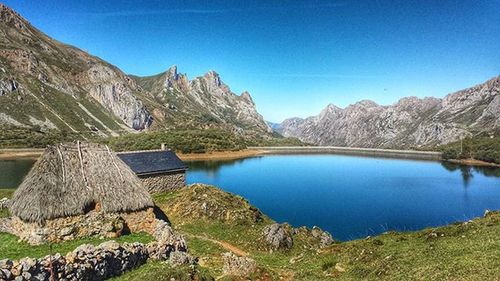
411 122
278 236
205 101
199 201
238 266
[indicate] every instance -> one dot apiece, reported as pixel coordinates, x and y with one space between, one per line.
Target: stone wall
94 223
164 182
88 262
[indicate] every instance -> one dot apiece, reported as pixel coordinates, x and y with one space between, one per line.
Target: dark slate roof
152 162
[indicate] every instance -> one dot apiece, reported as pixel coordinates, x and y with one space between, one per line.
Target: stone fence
88 262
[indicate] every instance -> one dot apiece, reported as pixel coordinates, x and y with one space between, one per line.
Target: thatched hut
79 189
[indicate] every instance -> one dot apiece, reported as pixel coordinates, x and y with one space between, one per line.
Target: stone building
77 190
159 170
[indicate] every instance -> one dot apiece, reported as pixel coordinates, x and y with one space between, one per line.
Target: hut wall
94 223
142 221
164 182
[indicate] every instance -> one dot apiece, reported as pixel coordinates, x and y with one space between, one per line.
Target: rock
339 267
4 203
67 231
278 236
180 258
238 266
325 238
6 264
410 122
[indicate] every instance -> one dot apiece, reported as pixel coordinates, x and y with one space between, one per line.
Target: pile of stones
88 262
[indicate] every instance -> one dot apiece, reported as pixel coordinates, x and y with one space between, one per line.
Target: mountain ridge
50 85
409 122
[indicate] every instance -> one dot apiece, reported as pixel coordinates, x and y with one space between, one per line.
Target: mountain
410 122
51 85
55 86
204 102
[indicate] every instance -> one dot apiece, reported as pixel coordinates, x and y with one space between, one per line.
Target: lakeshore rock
278 236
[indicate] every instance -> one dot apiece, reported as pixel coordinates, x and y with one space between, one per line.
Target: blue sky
294 57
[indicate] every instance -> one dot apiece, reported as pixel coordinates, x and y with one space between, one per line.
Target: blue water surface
352 197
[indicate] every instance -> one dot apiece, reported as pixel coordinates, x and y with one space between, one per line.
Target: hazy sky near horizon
294 57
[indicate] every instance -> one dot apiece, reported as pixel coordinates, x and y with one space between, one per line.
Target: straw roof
68 179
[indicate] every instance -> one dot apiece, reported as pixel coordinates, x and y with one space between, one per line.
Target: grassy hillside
480 148
461 251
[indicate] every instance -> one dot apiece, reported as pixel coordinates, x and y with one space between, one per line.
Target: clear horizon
294 57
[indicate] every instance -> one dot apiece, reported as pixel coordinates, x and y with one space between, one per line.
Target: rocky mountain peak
213 78
172 72
246 96
365 103
10 17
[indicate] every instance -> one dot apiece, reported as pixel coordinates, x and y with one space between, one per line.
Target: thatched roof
69 178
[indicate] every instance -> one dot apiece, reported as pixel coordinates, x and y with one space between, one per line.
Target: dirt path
223 244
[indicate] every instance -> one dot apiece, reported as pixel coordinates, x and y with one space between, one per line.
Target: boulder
278 236
325 238
238 266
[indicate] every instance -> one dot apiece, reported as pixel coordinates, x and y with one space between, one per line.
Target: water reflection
12 172
468 171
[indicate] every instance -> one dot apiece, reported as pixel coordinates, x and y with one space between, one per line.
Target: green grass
12 249
460 251
161 271
5 193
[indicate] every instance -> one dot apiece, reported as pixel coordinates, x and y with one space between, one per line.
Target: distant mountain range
50 85
411 122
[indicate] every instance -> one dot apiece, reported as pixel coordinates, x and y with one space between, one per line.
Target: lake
349 196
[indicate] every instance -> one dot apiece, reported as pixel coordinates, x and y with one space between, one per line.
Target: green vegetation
158 271
460 251
13 249
480 148
186 141
195 141
16 137
5 193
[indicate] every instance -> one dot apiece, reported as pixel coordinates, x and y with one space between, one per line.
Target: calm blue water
352 197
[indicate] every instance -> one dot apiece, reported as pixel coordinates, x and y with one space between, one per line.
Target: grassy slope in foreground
461 251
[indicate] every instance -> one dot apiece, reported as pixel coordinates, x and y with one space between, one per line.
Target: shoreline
34 153
220 155
473 162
